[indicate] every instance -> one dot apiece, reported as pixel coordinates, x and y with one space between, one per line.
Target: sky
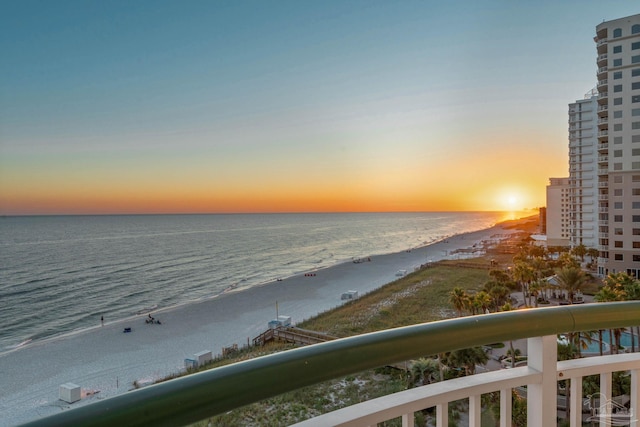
118 107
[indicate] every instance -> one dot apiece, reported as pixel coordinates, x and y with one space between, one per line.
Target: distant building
558 212
618 61
543 220
583 170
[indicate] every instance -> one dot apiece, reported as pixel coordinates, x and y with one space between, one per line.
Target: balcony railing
195 397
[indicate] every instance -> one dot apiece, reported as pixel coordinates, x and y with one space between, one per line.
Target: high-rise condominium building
583 170
558 212
618 146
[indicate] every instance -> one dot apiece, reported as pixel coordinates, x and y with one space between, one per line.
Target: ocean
62 273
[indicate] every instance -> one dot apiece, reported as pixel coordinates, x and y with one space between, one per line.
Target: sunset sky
289 106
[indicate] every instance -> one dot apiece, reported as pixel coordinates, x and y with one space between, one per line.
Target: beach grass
422 296
419 297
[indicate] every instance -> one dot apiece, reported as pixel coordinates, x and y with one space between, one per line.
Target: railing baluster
442 415
506 396
605 394
407 420
475 411
575 405
542 398
635 397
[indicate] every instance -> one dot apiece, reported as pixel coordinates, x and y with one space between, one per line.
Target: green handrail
195 397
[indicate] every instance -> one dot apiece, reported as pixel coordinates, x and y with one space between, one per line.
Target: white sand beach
104 360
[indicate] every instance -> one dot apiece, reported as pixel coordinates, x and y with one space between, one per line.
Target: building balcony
603 159
602 84
601 42
603 146
604 184
194 397
602 60
603 110
603 121
603 171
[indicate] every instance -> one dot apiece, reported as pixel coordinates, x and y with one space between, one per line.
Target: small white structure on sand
349 295
69 392
284 321
401 273
203 357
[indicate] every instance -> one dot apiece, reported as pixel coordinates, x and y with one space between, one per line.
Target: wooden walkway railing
291 335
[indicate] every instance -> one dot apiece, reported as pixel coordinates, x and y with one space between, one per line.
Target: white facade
583 167
618 62
558 212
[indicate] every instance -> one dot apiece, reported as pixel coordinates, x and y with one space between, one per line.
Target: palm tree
499 295
483 300
571 279
523 273
513 353
567 260
580 250
459 299
509 307
424 371
467 358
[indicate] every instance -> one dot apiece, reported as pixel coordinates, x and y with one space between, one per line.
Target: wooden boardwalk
291 335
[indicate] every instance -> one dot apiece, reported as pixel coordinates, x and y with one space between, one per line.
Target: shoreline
106 360
234 288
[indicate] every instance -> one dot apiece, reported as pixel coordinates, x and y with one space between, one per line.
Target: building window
618 257
635 72
617 49
635 152
617 75
635 98
618 218
617 244
636 245
635 218
635 178
635 85
617 127
617 192
617 153
635 29
635 231
635 205
618 114
635 125
617 33
617 140
635 59
617 88
635 138
617 231
635 191
617 205
635 165
635 112
617 62
636 257
618 179
617 101
617 166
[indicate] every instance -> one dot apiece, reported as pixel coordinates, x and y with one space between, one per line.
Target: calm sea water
61 273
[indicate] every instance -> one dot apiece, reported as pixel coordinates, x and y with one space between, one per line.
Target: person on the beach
102 320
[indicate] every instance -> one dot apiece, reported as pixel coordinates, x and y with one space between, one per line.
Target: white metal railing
540 376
